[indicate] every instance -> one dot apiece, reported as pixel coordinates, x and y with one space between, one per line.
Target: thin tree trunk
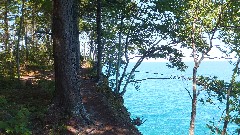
26 45
8 66
18 39
138 63
119 59
6 32
131 73
127 61
226 120
49 47
91 51
194 103
100 48
194 89
33 23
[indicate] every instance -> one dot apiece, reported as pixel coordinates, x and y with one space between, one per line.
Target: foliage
218 91
134 31
197 24
229 33
21 106
33 45
14 119
8 84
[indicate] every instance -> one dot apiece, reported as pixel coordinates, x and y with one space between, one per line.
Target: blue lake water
166 104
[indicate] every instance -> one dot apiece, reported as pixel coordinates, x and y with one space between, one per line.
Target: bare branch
189 93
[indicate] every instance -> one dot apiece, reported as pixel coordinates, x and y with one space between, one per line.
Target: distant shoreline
187 60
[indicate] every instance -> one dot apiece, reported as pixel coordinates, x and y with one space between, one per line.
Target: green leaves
13 119
214 87
218 89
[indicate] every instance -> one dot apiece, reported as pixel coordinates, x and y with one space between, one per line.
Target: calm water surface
166 104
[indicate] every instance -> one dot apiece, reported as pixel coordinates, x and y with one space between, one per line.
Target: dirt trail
99 111
105 119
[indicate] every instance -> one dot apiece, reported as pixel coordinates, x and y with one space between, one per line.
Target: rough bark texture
66 64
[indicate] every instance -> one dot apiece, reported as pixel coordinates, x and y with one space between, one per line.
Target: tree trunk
65 42
119 59
92 47
194 89
6 32
26 45
226 120
138 63
194 103
100 48
33 19
18 39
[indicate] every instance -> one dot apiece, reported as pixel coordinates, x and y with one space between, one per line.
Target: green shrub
13 119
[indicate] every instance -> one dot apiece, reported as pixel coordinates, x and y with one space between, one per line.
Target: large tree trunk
65 45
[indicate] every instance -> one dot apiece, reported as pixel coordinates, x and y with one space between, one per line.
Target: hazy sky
214 55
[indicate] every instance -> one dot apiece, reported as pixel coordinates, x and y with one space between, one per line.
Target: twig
189 93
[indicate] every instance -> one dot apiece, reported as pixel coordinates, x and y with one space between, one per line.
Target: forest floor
30 106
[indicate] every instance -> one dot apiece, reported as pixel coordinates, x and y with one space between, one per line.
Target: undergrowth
22 106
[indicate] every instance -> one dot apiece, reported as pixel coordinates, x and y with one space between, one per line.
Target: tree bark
194 88
194 103
65 50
